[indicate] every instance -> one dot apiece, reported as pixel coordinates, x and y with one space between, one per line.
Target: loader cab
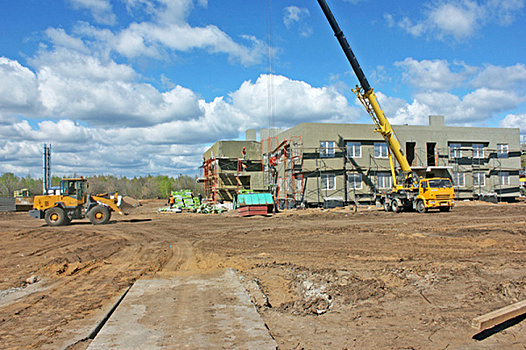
74 188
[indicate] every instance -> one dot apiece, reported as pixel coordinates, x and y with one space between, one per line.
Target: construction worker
171 201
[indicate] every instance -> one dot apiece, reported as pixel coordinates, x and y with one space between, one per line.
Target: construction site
318 279
323 165
319 236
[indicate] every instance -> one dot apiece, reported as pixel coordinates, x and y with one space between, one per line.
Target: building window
380 150
504 178
458 179
479 179
355 181
454 151
326 149
502 150
354 150
478 150
384 181
328 182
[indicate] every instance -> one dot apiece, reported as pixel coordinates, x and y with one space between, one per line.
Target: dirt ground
321 279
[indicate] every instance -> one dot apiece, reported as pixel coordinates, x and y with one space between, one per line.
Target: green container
246 199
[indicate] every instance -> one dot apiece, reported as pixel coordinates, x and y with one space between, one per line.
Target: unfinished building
317 163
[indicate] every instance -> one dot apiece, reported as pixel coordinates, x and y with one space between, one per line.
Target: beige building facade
314 163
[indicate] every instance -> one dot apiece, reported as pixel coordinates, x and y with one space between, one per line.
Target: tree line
144 187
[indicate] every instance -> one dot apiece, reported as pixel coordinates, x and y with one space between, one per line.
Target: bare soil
321 279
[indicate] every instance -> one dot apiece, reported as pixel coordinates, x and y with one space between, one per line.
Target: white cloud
433 75
18 88
294 17
101 10
459 19
472 109
103 142
495 77
456 19
505 11
497 89
294 101
165 32
514 121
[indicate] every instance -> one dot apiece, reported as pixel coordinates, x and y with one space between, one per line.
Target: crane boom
367 97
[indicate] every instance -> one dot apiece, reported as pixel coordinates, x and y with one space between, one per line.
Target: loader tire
99 215
56 217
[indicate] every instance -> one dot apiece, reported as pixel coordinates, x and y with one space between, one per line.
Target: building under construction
313 164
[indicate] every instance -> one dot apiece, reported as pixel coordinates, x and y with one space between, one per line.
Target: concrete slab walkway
196 310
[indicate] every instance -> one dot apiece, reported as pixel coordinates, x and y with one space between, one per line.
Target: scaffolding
283 170
224 177
211 179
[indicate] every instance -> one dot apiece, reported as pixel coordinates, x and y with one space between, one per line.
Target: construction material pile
184 201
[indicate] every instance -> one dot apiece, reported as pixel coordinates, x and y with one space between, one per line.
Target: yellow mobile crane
409 191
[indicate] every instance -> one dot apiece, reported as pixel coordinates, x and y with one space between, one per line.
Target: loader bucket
128 204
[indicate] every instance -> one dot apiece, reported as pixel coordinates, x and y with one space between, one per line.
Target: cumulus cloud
101 10
496 90
294 101
165 32
496 77
152 39
431 75
515 121
458 19
178 120
294 17
18 90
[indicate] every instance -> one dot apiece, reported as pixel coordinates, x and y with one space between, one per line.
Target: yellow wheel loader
74 203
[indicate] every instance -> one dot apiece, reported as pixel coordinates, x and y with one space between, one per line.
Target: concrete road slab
197 310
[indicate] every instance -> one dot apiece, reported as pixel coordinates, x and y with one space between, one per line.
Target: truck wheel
421 207
99 215
396 206
387 207
56 217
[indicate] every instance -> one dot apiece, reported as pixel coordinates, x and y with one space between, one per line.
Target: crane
409 191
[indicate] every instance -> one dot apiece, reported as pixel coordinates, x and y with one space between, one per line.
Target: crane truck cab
435 193
427 193
73 202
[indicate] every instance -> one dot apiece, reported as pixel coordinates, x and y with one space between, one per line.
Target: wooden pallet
251 210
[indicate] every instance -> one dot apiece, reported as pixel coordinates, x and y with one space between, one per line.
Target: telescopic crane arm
367 97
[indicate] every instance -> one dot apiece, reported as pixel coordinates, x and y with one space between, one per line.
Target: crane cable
270 70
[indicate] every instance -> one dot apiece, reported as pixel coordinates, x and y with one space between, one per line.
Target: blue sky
136 87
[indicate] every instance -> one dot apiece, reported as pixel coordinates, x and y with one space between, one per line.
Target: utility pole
46 182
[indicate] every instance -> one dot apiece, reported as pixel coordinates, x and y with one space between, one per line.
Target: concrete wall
233 149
